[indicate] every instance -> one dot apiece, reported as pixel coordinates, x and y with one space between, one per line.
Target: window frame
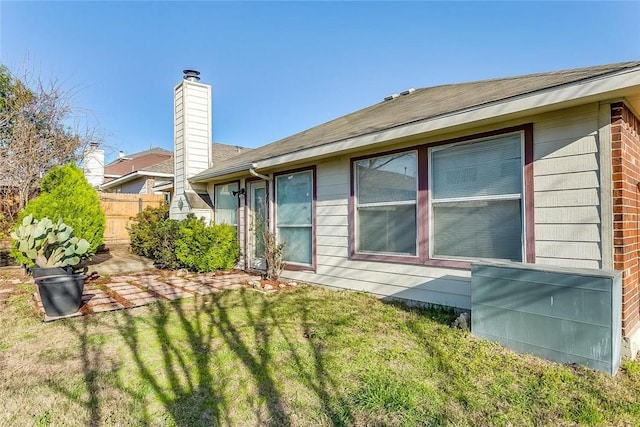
289 265
215 205
509 197
356 252
424 225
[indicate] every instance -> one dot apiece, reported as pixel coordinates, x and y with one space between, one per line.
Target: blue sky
278 68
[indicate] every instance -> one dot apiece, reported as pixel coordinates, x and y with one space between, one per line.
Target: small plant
273 253
47 244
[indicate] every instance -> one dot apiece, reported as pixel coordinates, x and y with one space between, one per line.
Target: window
446 203
386 201
226 204
476 199
294 216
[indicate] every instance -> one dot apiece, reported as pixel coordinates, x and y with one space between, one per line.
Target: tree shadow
93 361
187 356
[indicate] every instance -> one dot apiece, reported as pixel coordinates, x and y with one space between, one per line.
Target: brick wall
625 145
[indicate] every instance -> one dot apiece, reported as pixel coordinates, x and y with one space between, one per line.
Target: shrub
66 194
153 235
189 243
205 248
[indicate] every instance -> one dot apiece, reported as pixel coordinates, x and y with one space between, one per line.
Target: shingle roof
161 160
419 105
222 152
165 166
137 161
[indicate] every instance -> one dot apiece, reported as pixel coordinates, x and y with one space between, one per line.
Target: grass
303 357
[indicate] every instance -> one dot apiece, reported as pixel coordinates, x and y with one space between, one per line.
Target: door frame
254 263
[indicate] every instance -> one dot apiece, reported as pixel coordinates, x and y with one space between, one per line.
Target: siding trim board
423 196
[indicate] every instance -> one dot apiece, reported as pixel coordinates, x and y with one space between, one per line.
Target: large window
386 200
446 203
476 199
226 204
294 216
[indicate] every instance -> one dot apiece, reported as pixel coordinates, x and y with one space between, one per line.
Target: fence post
140 205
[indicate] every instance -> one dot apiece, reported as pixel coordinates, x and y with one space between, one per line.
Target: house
398 199
146 172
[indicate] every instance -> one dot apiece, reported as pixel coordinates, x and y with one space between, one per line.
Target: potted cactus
54 250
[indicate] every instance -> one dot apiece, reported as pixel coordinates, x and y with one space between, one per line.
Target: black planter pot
61 294
40 272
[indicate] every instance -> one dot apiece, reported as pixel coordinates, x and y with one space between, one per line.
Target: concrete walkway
118 260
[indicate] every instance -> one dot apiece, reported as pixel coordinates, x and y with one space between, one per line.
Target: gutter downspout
253 172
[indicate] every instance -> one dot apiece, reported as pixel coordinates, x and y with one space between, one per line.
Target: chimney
192 140
93 165
191 75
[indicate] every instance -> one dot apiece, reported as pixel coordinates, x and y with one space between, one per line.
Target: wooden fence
120 208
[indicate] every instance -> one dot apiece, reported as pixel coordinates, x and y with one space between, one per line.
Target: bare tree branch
38 129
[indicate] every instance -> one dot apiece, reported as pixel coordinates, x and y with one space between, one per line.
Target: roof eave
209 174
601 88
606 87
133 175
163 187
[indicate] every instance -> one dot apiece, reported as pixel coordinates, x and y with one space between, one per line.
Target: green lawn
304 357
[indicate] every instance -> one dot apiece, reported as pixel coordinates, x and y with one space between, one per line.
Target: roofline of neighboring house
163 187
607 87
132 175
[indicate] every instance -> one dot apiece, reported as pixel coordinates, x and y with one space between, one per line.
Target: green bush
66 193
187 244
205 248
153 235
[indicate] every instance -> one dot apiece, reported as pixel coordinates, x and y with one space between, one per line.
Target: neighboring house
398 199
145 172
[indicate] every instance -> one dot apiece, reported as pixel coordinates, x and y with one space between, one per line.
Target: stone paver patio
138 289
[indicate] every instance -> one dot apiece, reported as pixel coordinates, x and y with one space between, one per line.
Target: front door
257 223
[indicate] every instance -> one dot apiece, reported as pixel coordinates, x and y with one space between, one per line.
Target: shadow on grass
214 360
93 360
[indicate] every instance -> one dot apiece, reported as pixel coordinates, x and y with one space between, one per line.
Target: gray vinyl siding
137 186
567 219
334 268
567 189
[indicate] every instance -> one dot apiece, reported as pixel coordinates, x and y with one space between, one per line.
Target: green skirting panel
567 315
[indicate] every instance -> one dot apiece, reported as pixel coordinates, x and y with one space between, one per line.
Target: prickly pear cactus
49 244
